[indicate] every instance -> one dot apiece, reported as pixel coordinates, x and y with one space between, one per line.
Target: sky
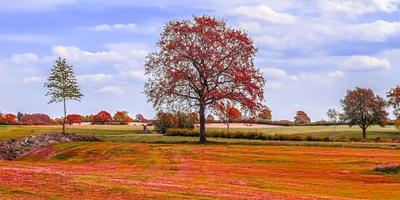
310 52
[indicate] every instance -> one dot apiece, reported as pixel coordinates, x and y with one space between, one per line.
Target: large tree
62 85
361 107
394 100
201 64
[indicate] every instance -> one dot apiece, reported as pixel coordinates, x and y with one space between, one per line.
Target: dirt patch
14 149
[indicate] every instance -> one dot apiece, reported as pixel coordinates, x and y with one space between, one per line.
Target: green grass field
116 133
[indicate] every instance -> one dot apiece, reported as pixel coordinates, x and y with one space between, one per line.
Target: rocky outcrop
13 149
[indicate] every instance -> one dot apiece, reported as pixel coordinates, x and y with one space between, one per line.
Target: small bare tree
333 116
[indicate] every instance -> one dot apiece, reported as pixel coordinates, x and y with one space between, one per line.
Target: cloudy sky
311 52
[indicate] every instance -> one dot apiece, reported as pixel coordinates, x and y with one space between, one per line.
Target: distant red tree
228 114
210 118
10 118
302 118
74 118
102 117
265 114
140 118
36 119
2 119
122 117
201 64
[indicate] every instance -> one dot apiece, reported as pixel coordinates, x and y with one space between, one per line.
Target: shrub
122 118
164 121
74 118
102 117
387 168
36 119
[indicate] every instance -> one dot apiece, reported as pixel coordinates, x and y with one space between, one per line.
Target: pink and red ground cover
159 171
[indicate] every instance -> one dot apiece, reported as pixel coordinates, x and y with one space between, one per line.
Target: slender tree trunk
364 133
65 115
203 139
227 126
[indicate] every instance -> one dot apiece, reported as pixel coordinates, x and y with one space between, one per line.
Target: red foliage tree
2 119
210 118
361 107
10 118
265 114
201 64
228 114
36 119
302 118
102 117
74 118
122 117
394 100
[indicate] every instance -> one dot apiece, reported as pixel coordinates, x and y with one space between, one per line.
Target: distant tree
396 124
164 121
394 100
302 118
140 118
228 114
74 118
103 117
210 118
265 114
361 107
10 118
333 116
122 117
19 116
36 119
2 119
62 85
201 64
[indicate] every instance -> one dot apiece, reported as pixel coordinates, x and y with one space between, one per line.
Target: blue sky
310 52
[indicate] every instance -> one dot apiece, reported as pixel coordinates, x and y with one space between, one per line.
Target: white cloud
115 57
264 12
357 7
33 5
115 27
114 90
365 63
250 26
34 79
95 78
136 74
274 85
375 31
273 72
336 74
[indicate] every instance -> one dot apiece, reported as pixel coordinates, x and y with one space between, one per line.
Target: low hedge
242 135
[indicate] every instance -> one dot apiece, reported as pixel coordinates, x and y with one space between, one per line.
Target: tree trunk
364 133
227 126
203 139
65 115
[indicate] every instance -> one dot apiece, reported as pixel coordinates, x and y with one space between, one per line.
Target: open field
132 165
131 133
110 170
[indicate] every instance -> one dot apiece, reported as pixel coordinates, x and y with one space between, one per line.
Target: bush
73 118
102 117
242 135
36 119
387 168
